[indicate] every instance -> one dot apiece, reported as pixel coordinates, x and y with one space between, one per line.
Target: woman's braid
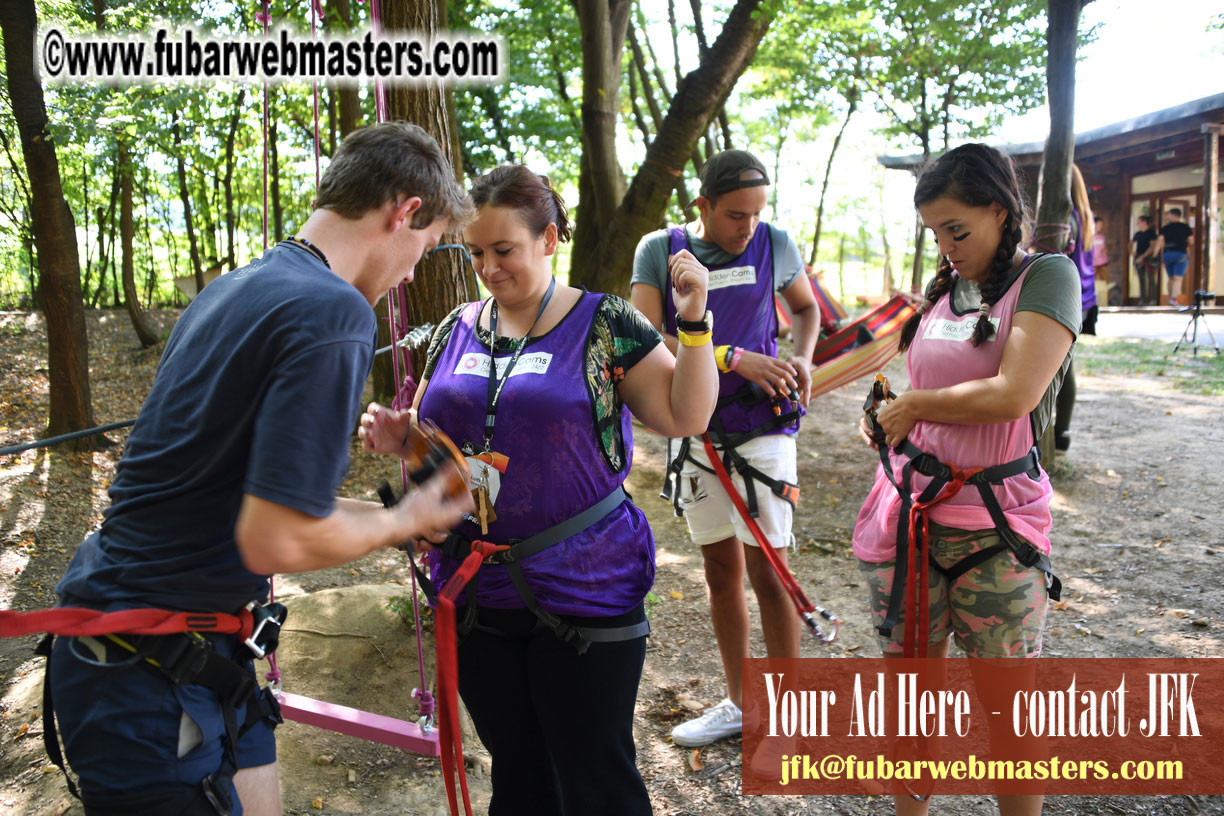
996 279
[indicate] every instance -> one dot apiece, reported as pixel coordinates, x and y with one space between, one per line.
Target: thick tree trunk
127 234
442 280
197 268
1054 185
54 233
645 203
601 183
339 17
1054 189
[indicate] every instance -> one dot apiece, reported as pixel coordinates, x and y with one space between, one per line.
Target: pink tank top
941 355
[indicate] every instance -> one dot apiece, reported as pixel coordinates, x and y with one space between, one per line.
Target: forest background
166 182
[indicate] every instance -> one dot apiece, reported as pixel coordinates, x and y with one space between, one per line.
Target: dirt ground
1138 543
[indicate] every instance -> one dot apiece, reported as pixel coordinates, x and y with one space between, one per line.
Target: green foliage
533 117
947 70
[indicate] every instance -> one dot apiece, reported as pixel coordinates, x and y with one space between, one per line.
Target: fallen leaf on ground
695 760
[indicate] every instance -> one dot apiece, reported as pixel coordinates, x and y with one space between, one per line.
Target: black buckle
217 796
180 657
265 636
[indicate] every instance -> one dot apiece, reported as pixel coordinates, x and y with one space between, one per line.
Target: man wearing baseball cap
760 401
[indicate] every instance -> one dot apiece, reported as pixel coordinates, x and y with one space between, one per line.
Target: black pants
559 725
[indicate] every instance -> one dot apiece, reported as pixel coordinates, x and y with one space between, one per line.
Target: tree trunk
348 102
185 197
1054 184
888 272
442 280
231 258
274 192
919 229
601 182
127 234
54 233
824 187
645 203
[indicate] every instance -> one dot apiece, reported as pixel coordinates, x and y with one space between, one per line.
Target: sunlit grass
1197 374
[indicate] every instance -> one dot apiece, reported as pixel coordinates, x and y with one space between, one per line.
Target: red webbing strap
918 556
451 739
784 575
78 621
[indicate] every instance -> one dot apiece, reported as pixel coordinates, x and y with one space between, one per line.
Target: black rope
411 339
68 437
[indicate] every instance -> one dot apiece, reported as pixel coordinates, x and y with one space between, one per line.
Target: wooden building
1146 166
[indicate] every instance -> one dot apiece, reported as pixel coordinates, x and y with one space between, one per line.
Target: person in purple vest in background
748 261
552 645
1080 251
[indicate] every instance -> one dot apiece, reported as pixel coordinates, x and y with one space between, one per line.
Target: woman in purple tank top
536 385
985 349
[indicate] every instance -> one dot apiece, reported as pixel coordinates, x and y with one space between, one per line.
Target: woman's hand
690 282
384 430
897 418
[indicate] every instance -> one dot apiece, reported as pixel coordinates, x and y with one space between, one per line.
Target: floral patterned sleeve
620 338
438 342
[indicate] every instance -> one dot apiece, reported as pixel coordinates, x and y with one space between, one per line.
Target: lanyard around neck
495 387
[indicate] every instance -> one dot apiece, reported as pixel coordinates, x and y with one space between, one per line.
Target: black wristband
702 325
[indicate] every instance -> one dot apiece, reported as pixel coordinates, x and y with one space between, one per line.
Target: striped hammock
860 348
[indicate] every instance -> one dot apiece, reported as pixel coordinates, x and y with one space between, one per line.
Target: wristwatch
705 324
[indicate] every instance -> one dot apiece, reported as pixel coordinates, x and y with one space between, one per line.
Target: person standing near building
748 261
1144 250
1176 238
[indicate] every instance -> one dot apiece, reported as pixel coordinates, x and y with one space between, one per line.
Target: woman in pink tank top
986 348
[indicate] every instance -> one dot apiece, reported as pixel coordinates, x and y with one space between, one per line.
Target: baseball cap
730 170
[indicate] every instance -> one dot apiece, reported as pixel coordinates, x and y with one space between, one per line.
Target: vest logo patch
957 331
478 364
732 276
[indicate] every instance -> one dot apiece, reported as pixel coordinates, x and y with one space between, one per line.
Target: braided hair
976 175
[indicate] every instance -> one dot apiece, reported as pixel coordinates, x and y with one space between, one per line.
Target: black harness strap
457 546
183 659
926 464
727 443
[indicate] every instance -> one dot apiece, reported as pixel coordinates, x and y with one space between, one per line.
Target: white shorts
711 515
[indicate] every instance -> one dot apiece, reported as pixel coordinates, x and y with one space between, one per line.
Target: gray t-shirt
1051 288
650 260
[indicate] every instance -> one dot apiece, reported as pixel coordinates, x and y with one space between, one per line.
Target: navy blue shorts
126 728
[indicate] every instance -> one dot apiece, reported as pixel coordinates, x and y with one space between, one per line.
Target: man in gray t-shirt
749 262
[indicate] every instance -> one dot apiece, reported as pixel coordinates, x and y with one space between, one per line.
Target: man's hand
428 513
385 430
774 376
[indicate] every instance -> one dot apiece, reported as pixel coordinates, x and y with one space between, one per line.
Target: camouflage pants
996 609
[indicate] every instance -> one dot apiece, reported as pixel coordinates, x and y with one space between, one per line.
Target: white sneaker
723 720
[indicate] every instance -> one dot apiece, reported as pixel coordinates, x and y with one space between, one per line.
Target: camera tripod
1190 335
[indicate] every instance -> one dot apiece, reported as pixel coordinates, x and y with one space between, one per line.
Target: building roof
1191 114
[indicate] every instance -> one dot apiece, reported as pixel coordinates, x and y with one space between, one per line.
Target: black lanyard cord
495 387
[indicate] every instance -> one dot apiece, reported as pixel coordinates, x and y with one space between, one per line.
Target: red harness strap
918 555
78 621
451 740
802 604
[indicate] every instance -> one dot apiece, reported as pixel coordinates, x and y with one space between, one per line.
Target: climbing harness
914 560
172 645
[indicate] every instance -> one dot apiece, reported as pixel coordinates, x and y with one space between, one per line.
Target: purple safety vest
741 296
546 426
